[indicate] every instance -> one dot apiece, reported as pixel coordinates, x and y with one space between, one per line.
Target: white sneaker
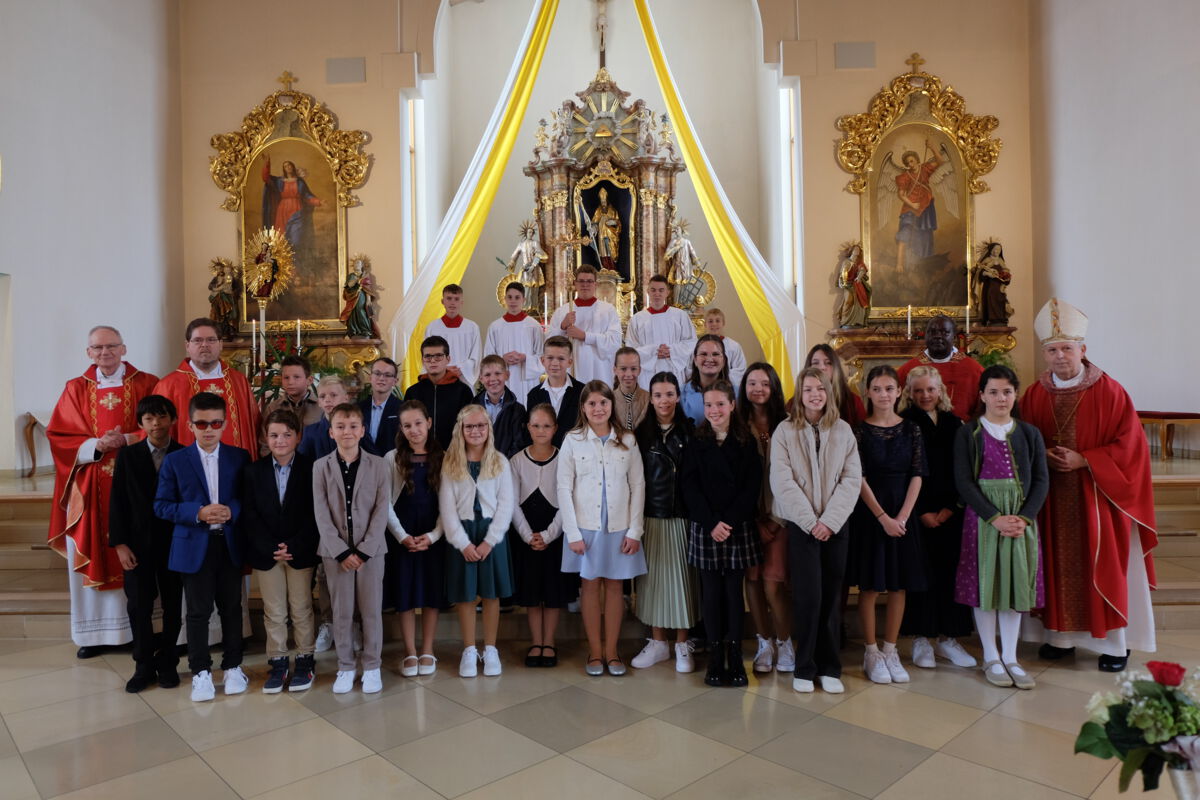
468 665
785 658
831 685
953 652
802 685
875 669
491 661
235 681
653 653
324 638
344 682
573 606
683 657
922 653
764 659
371 681
356 637
202 687
894 667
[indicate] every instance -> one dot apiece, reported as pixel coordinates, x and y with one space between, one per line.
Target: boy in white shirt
662 334
517 338
460 333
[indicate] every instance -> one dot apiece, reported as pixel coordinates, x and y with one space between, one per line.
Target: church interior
431 152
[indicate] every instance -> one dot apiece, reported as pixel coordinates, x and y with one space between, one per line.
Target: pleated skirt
668 595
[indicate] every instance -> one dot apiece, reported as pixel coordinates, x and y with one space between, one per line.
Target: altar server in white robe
662 334
466 349
517 338
593 327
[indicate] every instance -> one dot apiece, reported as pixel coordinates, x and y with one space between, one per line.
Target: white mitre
1059 321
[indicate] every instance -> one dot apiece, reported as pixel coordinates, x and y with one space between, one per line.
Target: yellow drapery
467 235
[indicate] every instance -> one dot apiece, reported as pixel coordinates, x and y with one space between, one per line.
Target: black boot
734 664
716 674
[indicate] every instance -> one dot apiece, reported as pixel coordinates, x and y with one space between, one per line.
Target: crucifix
287 79
915 61
602 26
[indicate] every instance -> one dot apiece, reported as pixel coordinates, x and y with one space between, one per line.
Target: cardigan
721 481
456 502
584 462
1028 453
811 486
528 477
396 488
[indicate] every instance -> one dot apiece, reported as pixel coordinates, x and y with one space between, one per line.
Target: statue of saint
526 262
606 228
222 298
854 281
266 286
989 286
682 262
361 296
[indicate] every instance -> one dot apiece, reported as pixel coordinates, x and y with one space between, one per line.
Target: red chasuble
81 491
241 417
1089 516
960 375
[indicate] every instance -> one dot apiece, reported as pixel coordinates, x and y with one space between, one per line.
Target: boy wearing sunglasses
197 492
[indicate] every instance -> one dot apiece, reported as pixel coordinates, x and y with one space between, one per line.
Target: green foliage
275 349
1094 741
994 357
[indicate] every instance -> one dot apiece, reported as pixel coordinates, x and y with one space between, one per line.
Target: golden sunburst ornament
267 265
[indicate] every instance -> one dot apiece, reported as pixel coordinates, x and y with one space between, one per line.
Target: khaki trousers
357 590
287 591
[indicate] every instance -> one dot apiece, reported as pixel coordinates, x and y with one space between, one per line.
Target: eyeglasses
375 374
583 282
204 424
434 356
209 340
476 426
105 348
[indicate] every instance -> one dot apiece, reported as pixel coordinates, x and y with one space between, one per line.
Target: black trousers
817 570
151 579
935 612
722 604
219 580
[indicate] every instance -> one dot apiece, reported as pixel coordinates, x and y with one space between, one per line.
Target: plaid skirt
741 550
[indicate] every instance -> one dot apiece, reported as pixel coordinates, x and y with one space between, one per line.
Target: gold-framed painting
918 159
292 170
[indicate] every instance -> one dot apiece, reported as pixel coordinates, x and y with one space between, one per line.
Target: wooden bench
1166 422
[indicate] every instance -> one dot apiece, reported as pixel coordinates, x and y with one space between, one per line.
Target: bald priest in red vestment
95 417
203 371
1098 524
960 373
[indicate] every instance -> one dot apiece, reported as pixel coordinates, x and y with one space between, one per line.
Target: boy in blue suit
197 492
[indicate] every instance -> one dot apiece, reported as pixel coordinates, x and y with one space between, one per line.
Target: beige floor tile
208 725
460 759
400 718
568 718
87 760
16 781
779 687
46 725
37 659
649 690
944 777
1083 677
554 779
489 695
1029 751
739 719
752 777
185 779
7 746
1048 705
853 758
256 765
371 778
966 687
53 687
910 716
654 757
11 646
1109 787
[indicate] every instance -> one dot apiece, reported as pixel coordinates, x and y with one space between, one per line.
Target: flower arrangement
1152 720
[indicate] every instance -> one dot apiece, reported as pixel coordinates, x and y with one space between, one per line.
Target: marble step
23 531
23 556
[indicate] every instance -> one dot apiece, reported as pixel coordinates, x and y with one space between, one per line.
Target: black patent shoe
1049 652
716 675
90 651
734 664
1114 663
140 680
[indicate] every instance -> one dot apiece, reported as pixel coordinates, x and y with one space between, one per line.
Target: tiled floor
69 730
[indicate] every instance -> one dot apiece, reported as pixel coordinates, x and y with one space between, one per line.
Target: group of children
701 491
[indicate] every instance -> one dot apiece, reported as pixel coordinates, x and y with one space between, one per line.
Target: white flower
1098 705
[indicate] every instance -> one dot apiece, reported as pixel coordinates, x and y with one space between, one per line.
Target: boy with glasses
381 411
439 388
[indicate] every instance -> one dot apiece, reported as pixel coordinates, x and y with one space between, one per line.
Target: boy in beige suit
350 499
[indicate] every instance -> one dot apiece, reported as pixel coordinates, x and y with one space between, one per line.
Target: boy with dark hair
517 338
461 335
438 388
381 411
559 389
143 541
197 491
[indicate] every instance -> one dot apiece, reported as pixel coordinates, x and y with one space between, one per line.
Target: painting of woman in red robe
287 204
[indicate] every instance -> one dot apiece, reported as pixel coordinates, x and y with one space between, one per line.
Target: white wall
1116 102
90 202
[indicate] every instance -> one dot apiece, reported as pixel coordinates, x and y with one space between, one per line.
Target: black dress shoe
168 677
140 680
1114 663
90 651
734 664
1049 652
716 675
550 660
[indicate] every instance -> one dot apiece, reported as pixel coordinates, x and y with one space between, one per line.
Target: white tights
1010 628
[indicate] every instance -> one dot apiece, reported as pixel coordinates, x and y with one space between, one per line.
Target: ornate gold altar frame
915 107
285 121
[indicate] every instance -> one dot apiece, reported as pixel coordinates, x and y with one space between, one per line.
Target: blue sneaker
277 677
302 678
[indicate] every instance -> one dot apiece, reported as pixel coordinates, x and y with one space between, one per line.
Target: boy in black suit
381 410
559 389
143 541
281 546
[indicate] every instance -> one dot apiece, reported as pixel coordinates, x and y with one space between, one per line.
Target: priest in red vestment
94 418
960 373
1098 524
203 371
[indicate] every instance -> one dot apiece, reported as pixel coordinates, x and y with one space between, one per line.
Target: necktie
156 455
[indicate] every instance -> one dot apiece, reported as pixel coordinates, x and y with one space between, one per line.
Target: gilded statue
853 279
526 262
606 231
361 296
681 258
267 256
222 297
989 285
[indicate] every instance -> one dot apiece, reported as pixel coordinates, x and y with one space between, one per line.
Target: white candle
968 319
253 346
910 321
298 336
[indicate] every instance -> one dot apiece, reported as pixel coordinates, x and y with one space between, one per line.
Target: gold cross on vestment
110 401
287 79
218 390
915 61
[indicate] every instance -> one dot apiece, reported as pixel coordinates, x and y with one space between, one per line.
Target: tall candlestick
298 336
968 320
910 321
253 346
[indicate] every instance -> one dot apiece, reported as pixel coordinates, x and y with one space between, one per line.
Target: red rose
1166 672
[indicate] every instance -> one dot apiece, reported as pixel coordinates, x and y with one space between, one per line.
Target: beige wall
979 47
